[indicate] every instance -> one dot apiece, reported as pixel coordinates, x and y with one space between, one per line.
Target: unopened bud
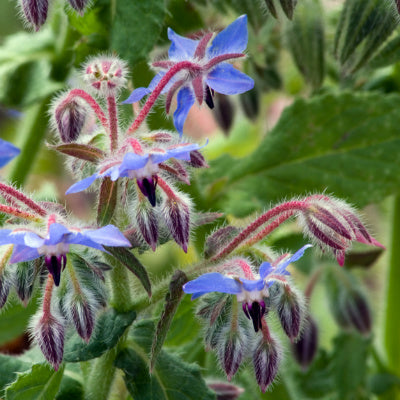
78 5
289 307
35 12
5 285
70 117
231 349
24 279
160 137
176 212
48 331
146 220
358 312
250 102
226 391
106 75
218 239
266 360
305 349
197 160
81 313
224 112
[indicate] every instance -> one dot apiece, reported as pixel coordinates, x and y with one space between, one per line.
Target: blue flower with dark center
210 69
7 152
251 292
28 245
142 167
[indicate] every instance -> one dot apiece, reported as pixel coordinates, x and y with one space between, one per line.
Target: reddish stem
10 191
113 122
166 188
92 103
158 89
47 296
18 213
290 206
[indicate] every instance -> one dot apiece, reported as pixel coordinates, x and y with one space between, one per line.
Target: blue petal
185 101
212 282
181 48
183 152
31 239
57 234
252 285
5 237
137 95
19 237
23 253
281 267
233 39
226 79
108 236
133 162
265 269
7 152
82 185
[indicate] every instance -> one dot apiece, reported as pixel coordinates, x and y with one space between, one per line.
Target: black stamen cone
255 311
209 98
148 188
55 264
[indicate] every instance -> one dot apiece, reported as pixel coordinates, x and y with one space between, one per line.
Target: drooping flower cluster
199 68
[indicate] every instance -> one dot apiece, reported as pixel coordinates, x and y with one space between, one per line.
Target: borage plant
101 335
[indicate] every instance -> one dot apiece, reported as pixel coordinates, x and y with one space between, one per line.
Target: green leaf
389 55
327 143
172 301
136 28
81 151
306 42
9 367
107 201
172 379
110 326
125 257
41 383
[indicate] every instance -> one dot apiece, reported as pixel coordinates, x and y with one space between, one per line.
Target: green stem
391 321
121 298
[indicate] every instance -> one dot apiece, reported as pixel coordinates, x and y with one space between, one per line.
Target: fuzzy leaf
127 258
311 150
41 383
136 28
171 379
172 301
81 151
9 366
110 326
107 201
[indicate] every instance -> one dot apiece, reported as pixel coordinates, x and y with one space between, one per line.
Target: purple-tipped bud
358 312
55 264
70 118
5 285
231 349
255 311
48 331
35 12
197 160
226 391
305 349
160 137
147 223
78 5
176 212
266 360
24 278
148 188
217 240
83 317
289 309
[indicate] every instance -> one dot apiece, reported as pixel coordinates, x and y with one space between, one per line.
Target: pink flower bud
147 223
70 117
176 212
358 312
82 314
48 331
106 75
35 12
197 160
266 360
305 349
226 391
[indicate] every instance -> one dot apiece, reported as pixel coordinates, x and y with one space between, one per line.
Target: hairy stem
113 122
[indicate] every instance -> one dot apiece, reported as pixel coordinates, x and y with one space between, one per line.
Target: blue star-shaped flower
142 167
211 70
28 245
249 291
7 152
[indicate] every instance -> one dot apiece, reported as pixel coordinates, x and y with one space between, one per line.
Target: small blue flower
143 168
28 245
7 152
211 69
250 292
